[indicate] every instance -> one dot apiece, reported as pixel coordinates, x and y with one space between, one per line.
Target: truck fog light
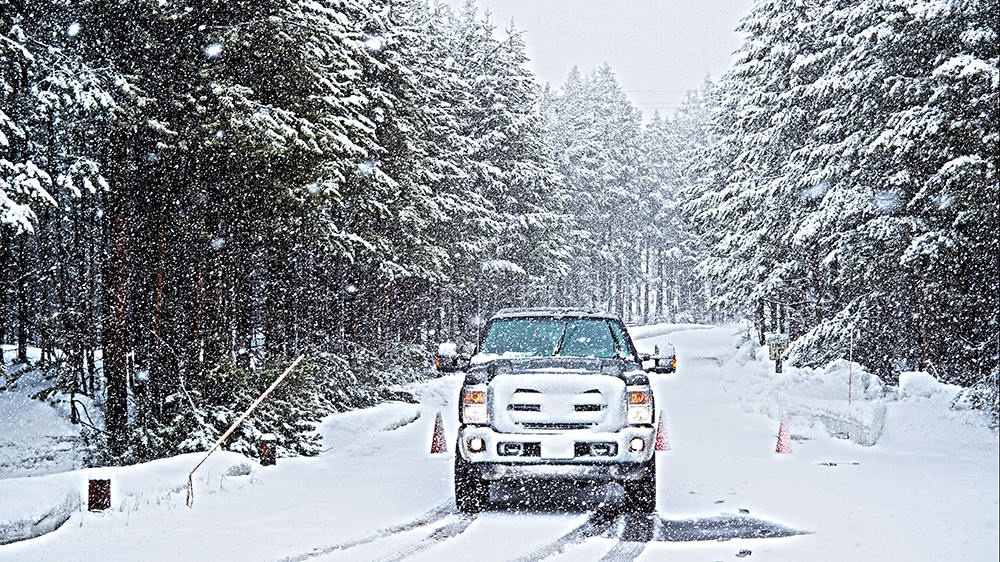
512 449
476 444
636 444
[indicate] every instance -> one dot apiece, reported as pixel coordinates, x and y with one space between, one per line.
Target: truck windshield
544 337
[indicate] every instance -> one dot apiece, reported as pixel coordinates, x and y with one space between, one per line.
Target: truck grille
524 407
536 426
557 401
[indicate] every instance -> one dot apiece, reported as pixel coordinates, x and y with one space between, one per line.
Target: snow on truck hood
484 370
514 362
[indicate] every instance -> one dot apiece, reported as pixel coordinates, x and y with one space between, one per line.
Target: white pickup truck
557 393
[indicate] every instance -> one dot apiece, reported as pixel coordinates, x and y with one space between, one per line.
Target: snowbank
924 385
843 397
653 330
35 438
30 507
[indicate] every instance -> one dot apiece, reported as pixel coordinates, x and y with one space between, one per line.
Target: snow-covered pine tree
58 100
747 203
594 132
406 202
853 181
230 112
510 166
896 222
670 146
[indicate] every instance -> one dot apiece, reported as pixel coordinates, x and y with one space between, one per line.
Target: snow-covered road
927 490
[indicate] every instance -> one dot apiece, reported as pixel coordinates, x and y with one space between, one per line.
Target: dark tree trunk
91 341
115 334
760 320
659 283
22 306
6 263
645 286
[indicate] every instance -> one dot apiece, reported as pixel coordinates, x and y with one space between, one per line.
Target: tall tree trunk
91 342
22 305
619 292
198 337
645 286
42 304
6 263
115 333
659 283
759 321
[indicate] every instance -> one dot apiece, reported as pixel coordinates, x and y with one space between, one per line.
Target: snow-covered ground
897 474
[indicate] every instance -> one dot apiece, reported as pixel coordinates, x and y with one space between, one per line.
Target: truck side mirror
448 358
659 362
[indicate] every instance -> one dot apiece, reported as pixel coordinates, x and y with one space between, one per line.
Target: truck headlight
474 405
640 407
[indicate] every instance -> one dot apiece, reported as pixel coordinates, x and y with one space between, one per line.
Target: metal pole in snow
850 367
190 491
850 371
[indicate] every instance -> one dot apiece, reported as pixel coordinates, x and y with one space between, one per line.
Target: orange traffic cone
784 441
438 444
662 439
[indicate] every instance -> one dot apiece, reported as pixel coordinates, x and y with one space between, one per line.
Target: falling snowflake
213 50
375 43
817 191
887 201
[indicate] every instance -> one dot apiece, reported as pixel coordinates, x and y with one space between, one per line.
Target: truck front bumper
567 455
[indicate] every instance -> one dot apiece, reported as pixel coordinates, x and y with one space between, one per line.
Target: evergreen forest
193 193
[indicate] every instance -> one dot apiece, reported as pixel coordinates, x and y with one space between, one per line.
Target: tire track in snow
596 524
624 551
633 532
443 533
431 517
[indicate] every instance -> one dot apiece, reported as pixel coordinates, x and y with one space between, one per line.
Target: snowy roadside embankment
842 397
35 438
654 330
31 507
845 398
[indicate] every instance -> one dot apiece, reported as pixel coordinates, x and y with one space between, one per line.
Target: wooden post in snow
190 494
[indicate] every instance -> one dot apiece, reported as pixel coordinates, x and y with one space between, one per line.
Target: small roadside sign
777 346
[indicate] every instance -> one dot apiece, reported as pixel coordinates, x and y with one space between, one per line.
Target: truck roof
554 311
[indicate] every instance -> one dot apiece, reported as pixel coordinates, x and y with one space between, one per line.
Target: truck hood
486 368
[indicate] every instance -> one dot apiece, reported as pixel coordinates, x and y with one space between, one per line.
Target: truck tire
472 493
640 495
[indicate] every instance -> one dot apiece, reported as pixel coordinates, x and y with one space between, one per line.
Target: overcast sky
658 49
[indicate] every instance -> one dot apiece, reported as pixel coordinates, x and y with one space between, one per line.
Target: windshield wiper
561 339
